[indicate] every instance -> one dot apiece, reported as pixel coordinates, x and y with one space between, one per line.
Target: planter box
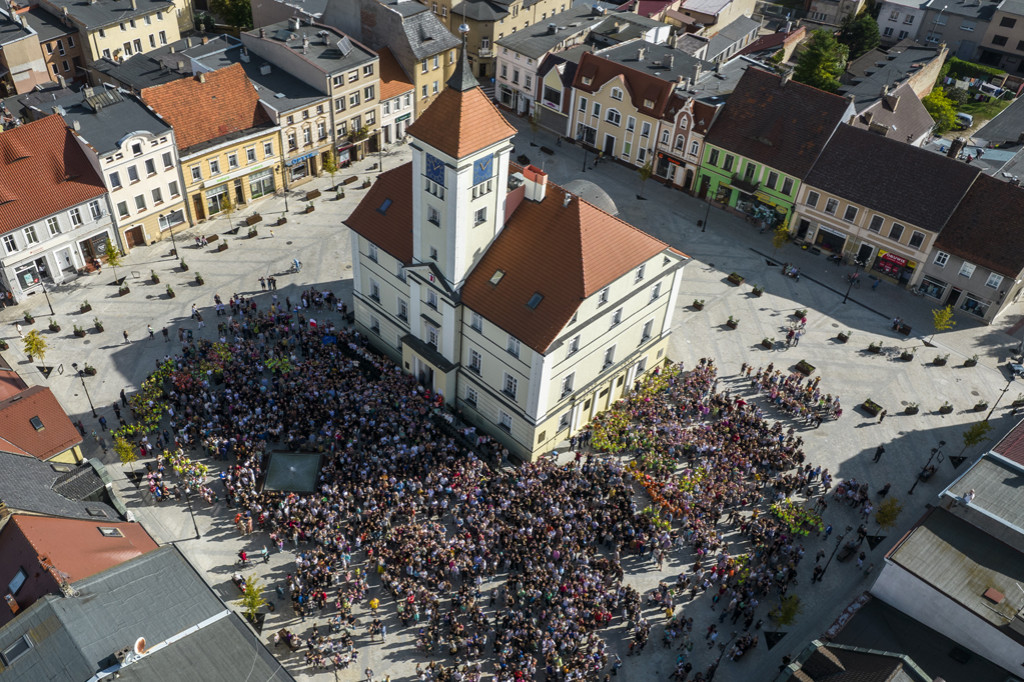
29 320
805 368
350 180
84 308
281 221
843 338
223 246
871 407
212 238
945 409
767 344
732 324
123 291
79 333
252 234
798 314
312 194
309 209
698 306
154 280
184 267
939 362
4 345
54 328
906 357
99 327
735 279
874 349
253 219
980 407
170 294
912 409
1017 403
91 371
970 362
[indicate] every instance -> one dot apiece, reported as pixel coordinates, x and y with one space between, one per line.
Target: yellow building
523 305
229 147
118 29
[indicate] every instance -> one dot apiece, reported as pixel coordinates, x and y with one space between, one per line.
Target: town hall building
527 308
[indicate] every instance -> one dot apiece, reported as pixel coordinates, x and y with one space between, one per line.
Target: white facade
900 20
52 249
396 114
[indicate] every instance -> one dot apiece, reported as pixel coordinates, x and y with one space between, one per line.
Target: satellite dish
140 646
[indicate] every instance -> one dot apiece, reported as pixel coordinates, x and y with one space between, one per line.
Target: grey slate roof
160 66
1006 127
271 86
11 31
46 25
900 114
868 75
874 171
427 35
619 27
683 65
27 484
105 117
326 57
537 40
106 12
157 596
976 9
993 478
480 10
962 562
731 34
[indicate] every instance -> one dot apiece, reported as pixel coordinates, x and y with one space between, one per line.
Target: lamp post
174 244
848 289
81 377
583 144
839 541
1001 394
707 214
45 295
722 649
935 452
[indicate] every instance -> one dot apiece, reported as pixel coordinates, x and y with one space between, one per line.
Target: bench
312 194
212 238
253 219
350 180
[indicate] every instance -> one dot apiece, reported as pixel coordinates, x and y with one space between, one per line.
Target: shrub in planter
758 290
802 312
981 406
907 355
123 290
309 209
96 323
945 408
874 347
282 220
871 407
735 278
843 336
54 327
733 323
184 265
971 361
155 277
912 408
28 318
253 233
170 291
4 345
89 369
805 368
698 303
199 279
78 331
84 307
768 343
940 360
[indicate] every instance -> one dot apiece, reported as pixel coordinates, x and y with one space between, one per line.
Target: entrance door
864 253
198 207
64 261
424 373
663 168
134 237
609 145
953 297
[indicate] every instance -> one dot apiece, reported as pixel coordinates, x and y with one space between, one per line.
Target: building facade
527 360
900 20
21 59
397 109
1002 45
118 29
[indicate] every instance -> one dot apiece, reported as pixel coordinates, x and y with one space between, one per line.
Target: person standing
881 417
149 328
125 333
20 332
879 451
124 398
167 335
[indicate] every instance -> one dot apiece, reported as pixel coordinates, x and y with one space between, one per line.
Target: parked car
963 120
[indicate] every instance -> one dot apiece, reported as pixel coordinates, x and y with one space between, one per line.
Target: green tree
859 34
35 345
645 172
940 108
331 166
822 62
780 236
113 257
227 207
887 512
252 598
125 451
235 13
942 318
958 96
788 609
976 433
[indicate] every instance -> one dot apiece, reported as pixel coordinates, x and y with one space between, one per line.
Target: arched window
613 117
680 140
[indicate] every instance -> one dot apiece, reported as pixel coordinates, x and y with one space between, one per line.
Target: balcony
485 52
741 183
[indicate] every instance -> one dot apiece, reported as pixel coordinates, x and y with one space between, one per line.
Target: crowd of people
513 573
795 394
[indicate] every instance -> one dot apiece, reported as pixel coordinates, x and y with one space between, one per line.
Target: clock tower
461 146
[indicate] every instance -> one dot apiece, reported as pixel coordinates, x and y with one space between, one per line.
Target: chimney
244 55
552 29
640 54
294 23
134 6
785 75
885 90
202 77
181 66
566 200
263 32
89 92
76 125
188 42
954 147
868 115
536 183
172 49
668 60
305 44
63 83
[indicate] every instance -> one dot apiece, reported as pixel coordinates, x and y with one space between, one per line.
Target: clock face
482 170
435 169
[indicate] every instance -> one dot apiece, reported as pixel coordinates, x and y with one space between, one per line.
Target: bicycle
854 279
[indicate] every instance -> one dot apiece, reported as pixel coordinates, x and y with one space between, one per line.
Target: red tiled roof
459 123
208 106
393 81
1012 445
11 383
78 548
564 253
392 229
782 125
43 171
641 86
703 116
57 434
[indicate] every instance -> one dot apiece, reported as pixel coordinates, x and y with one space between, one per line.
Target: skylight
36 423
535 301
111 532
384 207
496 277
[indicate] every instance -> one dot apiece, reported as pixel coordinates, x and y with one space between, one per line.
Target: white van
964 121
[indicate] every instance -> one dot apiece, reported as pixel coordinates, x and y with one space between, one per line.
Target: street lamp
722 649
1001 394
707 213
174 244
81 377
839 541
45 295
583 144
935 452
849 288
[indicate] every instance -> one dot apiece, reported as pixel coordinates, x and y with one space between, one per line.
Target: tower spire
463 80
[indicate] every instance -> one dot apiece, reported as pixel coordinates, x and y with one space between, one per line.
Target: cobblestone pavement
729 244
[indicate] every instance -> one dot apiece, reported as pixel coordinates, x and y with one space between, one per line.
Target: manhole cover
348 267
288 243
903 402
87 342
975 393
834 324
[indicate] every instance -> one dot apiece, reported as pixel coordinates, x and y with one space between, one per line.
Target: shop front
674 170
344 155
894 266
54 265
301 168
830 239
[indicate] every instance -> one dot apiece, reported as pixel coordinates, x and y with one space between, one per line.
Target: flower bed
872 407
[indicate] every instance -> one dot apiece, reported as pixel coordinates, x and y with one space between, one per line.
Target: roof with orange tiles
43 171
209 106
78 547
34 422
384 216
393 81
460 122
11 383
564 253
782 124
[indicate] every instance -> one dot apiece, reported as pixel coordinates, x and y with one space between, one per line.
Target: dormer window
586 80
617 94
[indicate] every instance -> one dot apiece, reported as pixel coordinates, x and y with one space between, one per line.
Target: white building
397 109
525 306
900 19
54 213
